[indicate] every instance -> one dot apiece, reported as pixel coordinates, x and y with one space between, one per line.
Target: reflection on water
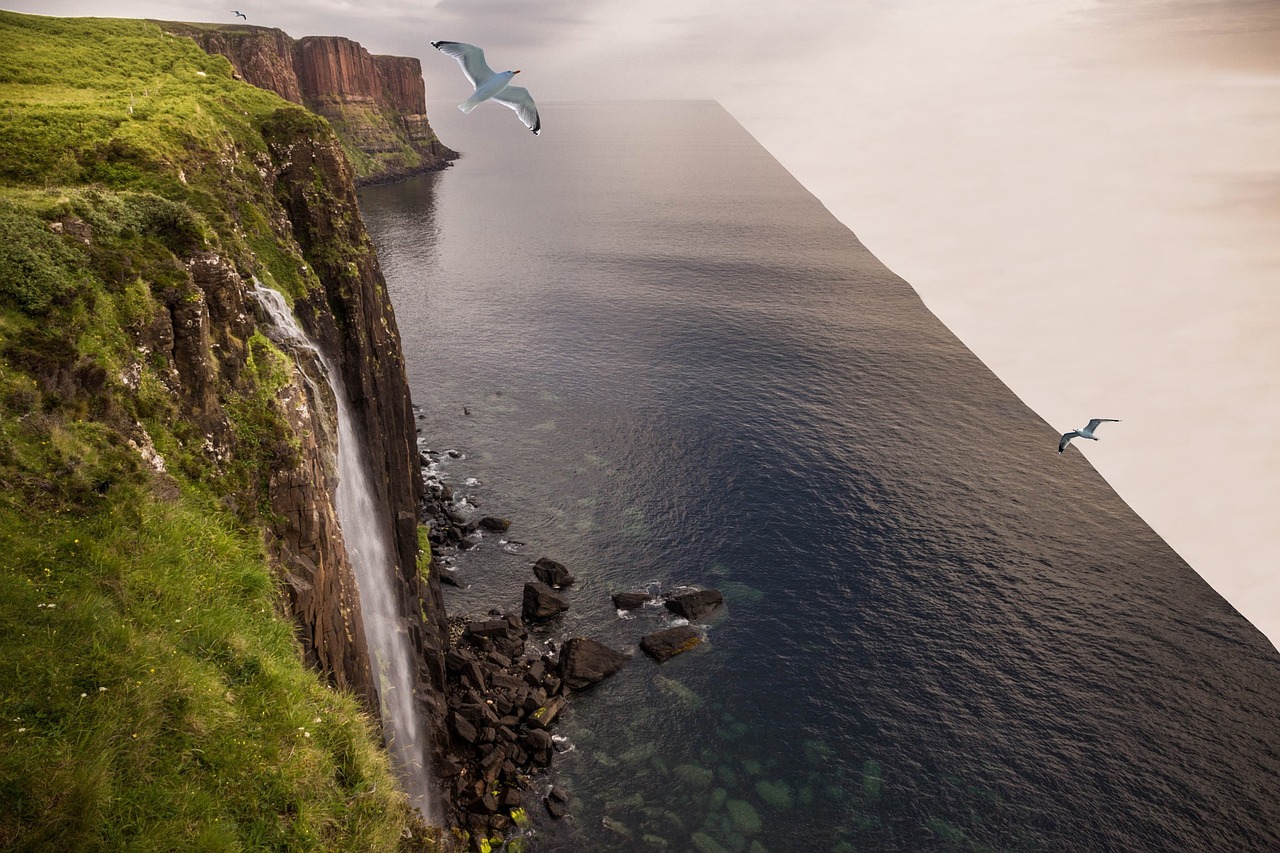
1087 194
940 634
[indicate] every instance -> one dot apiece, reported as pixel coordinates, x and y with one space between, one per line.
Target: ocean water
669 365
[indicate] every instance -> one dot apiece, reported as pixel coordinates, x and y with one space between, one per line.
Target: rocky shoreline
507 688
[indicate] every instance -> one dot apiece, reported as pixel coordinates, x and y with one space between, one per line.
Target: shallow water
940 634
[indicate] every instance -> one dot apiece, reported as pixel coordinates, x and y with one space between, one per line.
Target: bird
239 14
490 86
1084 432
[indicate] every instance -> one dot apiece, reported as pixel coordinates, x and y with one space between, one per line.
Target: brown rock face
351 319
377 104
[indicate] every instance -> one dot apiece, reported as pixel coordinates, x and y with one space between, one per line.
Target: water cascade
367 535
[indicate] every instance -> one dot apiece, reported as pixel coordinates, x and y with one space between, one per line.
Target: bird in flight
239 14
1085 432
490 86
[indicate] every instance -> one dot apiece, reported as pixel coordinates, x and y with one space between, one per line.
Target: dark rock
541 602
555 808
552 573
630 600
664 645
560 795
488 628
536 739
497 525
533 676
544 716
584 662
694 605
465 730
472 672
448 579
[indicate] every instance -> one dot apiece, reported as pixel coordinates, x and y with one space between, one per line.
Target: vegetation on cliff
154 693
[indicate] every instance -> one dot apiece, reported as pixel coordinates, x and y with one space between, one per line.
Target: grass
152 693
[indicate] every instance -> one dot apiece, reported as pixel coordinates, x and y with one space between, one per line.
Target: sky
1087 192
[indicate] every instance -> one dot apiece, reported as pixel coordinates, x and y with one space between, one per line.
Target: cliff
181 646
376 104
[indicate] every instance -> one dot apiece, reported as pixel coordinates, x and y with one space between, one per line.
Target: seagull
490 86
239 14
1086 432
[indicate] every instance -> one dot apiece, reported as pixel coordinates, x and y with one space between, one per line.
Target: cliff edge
376 104
181 645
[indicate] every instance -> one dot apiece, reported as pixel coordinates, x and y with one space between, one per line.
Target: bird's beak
517 71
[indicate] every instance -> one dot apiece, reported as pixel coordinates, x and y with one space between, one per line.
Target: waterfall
367 533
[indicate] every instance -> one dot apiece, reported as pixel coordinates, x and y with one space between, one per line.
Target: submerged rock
664 645
584 662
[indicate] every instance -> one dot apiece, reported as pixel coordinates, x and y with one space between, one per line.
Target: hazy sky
1086 191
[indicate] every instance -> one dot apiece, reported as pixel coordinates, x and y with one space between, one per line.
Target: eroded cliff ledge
376 104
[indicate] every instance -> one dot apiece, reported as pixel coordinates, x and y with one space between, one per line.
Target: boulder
664 645
695 605
630 600
497 525
551 573
584 662
541 602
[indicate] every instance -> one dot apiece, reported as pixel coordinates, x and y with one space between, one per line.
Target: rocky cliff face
376 104
352 320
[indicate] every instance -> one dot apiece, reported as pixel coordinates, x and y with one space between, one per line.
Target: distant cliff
376 104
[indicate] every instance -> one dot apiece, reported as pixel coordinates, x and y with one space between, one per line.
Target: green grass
152 693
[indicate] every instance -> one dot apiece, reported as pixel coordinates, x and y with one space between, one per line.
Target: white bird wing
519 99
1093 423
470 57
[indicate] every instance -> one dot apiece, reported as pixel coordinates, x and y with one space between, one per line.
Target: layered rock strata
376 104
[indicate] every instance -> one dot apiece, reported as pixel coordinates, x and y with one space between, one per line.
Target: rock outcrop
351 318
376 104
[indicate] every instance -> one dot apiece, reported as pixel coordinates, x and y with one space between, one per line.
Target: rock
694 605
537 739
551 573
664 645
488 628
498 525
541 602
555 808
584 662
746 819
544 715
776 794
630 600
465 730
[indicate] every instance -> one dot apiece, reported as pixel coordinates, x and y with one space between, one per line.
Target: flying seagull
239 14
1086 432
490 86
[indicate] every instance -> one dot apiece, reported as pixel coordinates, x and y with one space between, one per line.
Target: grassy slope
151 694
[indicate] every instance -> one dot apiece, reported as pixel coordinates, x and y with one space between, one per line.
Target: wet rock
555 808
694 605
630 600
664 645
551 573
584 662
544 716
497 525
541 602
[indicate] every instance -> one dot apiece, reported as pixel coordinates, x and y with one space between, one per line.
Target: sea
670 366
